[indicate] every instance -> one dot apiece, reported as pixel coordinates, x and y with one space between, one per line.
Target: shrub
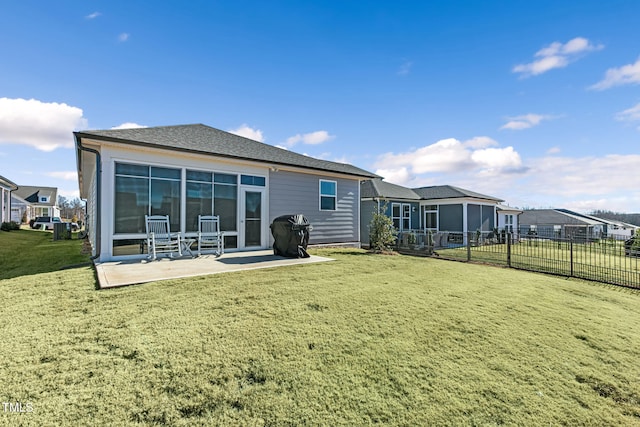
8 226
382 233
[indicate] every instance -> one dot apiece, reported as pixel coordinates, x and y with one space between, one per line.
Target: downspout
98 191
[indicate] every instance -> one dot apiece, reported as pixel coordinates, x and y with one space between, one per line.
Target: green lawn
26 252
602 261
362 340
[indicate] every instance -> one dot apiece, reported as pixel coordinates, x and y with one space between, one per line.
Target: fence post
571 254
509 250
468 246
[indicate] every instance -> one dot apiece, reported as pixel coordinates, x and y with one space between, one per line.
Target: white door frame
243 220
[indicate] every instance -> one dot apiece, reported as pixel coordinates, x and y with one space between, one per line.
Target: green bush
9 226
382 233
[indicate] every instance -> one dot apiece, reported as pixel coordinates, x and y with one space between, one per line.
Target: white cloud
580 183
497 159
66 175
480 142
629 115
93 15
129 125
405 68
43 125
570 176
450 156
312 138
556 55
123 37
627 74
248 132
525 121
69 194
400 176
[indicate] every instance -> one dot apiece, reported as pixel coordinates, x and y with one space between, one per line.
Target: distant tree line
72 209
629 218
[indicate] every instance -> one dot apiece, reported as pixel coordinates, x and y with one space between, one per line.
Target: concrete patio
123 273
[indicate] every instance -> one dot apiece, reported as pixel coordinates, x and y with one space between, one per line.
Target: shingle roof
32 194
450 192
554 216
207 140
379 188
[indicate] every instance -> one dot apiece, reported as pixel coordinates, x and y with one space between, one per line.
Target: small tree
382 233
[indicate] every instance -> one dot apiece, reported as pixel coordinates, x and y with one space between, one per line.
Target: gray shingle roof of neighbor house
207 140
379 188
450 192
32 194
555 217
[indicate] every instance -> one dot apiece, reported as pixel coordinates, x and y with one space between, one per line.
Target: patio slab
123 273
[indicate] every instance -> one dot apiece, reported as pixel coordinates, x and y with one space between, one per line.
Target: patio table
186 245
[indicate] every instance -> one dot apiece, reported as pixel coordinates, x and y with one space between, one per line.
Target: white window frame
431 211
406 216
396 219
321 195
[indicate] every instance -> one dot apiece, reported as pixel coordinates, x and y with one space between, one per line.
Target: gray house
190 170
561 223
401 204
440 208
6 187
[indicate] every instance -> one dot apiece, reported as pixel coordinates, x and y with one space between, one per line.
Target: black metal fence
607 260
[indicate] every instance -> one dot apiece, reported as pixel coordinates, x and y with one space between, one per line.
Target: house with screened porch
436 209
190 170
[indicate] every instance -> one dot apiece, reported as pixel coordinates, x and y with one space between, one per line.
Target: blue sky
537 103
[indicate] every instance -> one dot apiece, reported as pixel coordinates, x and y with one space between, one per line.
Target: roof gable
207 140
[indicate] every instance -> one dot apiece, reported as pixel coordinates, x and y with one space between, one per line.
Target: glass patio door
252 218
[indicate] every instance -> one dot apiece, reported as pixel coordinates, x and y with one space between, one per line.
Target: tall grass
366 339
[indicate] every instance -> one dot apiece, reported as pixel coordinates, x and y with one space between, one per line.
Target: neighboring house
188 170
402 206
508 218
440 208
613 228
561 223
566 224
6 187
30 202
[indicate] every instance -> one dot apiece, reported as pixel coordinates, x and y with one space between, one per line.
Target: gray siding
367 207
291 193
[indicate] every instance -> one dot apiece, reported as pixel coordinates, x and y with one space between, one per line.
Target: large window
225 200
212 193
145 190
328 195
199 197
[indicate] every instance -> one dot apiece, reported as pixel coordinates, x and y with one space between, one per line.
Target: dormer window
44 199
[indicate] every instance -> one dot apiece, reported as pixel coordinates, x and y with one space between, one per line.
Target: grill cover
290 235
